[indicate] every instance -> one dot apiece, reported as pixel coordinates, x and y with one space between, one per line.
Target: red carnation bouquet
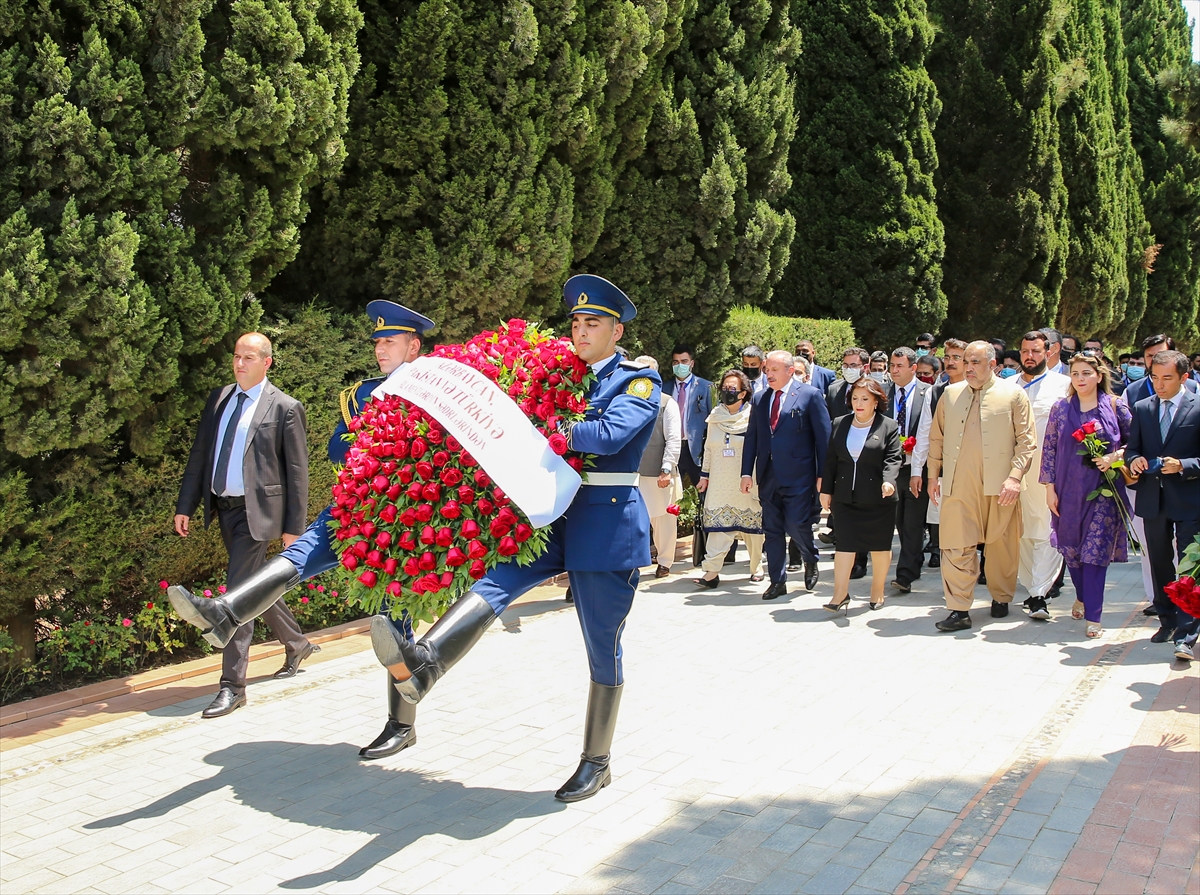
416 519
1185 592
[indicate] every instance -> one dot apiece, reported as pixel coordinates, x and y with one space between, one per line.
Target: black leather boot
593 773
218 618
399 733
451 638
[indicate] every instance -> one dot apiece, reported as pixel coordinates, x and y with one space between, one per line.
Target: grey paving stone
986 876
720 826
1039 802
810 858
885 827
833 879
910 846
860 852
756 865
781 882
649 877
863 809
1036 871
738 843
931 821
909 804
726 885
1069 819
702 871
1023 824
837 832
884 874
671 887
788 838
1006 850
1081 797
1055 844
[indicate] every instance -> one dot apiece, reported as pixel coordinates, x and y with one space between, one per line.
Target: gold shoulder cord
344 399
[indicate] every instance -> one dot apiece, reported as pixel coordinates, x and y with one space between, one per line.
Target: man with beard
1040 561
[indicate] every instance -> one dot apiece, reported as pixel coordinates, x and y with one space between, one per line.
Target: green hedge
752 326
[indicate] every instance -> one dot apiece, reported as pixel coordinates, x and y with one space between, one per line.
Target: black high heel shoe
706 583
876 606
835 608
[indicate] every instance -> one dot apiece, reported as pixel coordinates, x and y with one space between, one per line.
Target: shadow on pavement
322 786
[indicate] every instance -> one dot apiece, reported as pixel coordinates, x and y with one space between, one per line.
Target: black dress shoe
859 571
982 579
292 664
999 610
1054 591
775 590
935 560
662 572
955 621
708 583
396 737
1162 635
811 574
793 567
902 587
225 703
1150 612
568 596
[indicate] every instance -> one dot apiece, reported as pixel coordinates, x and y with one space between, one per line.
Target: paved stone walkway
761 747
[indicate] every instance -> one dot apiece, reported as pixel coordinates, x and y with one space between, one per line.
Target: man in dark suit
820 377
906 401
249 462
694 397
1164 450
786 441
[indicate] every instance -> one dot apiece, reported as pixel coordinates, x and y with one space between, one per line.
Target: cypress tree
1096 289
1157 43
483 144
153 165
697 225
1000 188
869 244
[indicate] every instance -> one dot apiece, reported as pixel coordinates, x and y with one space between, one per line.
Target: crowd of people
996 466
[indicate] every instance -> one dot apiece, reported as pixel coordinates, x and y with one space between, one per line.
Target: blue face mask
681 371
1006 372
1136 373
921 352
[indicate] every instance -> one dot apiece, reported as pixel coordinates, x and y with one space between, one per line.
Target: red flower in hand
1090 427
910 444
673 509
1079 435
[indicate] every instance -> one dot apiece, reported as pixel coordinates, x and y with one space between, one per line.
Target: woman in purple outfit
1088 533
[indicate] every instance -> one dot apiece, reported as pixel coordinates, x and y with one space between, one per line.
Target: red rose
445 537
360 549
349 561
441 458
465 494
408 518
508 517
411 568
1078 435
434 435
388 514
428 535
482 479
394 588
508 547
522 533
467 461
368 529
432 492
485 506
414 491
424 512
407 541
375 559
451 476
516 327
477 570
476 550
576 463
406 473
425 470
390 565
1090 427
418 448
558 443
673 509
431 583
368 578
499 529
469 529
452 443
383 540
427 562
451 509
910 444
455 557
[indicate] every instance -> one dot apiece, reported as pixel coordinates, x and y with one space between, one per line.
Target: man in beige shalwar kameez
981 443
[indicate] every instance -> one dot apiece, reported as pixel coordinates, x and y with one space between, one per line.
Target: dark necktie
222 471
1164 422
902 411
775 409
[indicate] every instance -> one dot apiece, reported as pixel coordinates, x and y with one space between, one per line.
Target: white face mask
878 377
852 374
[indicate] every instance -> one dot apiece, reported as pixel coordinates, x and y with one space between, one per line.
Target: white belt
612 478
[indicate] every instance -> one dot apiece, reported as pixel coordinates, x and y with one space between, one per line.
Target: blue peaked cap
392 319
589 294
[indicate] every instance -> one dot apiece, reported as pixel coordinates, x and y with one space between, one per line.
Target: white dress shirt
673 433
908 399
234 485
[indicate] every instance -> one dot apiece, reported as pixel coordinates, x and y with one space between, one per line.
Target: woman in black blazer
861 467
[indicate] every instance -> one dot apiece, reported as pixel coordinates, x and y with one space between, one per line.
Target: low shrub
753 326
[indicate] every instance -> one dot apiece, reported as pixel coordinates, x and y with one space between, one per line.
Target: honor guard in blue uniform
622 408
398 334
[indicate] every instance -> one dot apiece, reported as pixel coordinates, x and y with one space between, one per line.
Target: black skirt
863 529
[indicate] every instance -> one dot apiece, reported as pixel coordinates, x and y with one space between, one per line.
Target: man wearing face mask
694 398
1070 348
1040 562
752 364
879 367
819 377
1054 351
924 345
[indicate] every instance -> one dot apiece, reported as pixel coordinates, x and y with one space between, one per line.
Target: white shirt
920 452
234 484
908 399
1044 392
672 431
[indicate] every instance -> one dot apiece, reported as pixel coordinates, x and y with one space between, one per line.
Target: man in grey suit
249 464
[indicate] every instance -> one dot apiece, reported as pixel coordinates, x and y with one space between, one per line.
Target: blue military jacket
351 403
607 528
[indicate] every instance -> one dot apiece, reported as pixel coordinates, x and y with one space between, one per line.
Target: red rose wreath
416 519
